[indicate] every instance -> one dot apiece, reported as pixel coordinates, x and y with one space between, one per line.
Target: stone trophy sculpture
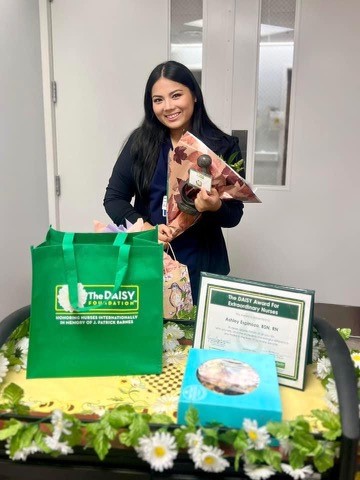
197 180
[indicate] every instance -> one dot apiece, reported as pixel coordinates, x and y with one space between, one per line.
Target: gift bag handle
169 247
71 270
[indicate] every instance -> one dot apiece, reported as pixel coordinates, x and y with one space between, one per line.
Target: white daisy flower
21 352
60 424
57 446
331 390
297 473
210 459
174 357
356 359
64 301
23 453
318 349
4 367
170 337
333 407
315 350
195 442
258 472
323 367
259 437
166 404
159 450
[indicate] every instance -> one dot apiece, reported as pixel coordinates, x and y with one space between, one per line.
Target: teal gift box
227 387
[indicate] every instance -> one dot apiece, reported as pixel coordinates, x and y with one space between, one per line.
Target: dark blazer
201 247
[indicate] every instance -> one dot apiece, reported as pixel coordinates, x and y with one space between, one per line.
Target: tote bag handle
71 270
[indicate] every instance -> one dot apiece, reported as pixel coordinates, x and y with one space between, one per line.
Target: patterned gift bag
177 289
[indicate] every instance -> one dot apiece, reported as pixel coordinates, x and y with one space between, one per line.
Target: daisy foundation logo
97 305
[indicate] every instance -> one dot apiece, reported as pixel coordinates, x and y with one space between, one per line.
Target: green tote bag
96 306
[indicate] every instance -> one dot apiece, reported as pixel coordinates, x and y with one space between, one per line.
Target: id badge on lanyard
164 206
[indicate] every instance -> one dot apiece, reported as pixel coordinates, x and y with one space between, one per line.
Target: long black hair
148 138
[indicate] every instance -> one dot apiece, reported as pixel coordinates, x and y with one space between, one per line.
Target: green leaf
14 361
254 456
238 166
91 429
139 427
99 436
210 436
39 440
13 445
108 430
300 424
11 428
125 439
324 461
232 157
235 165
192 417
329 420
240 442
185 315
331 435
20 409
26 435
180 435
188 331
273 458
228 437
21 331
297 458
237 461
122 416
161 418
344 333
279 430
101 444
75 436
13 393
305 441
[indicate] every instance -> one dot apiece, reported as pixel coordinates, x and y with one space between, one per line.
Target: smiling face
173 105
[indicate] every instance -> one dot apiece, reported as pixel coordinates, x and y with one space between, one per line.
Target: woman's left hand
208 202
165 233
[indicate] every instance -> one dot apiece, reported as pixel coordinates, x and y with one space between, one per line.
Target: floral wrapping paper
229 184
177 289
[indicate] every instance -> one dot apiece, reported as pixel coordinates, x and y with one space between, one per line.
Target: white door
103 53
305 235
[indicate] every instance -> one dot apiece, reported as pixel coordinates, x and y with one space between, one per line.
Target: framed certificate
242 315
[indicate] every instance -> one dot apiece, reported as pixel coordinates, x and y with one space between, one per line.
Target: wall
308 236
313 237
23 194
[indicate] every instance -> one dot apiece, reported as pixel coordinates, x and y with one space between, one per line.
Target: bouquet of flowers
225 179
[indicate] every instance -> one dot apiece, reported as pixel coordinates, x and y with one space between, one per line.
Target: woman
173 104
